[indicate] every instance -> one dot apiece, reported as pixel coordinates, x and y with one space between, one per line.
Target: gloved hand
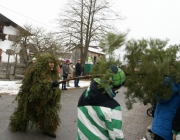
110 92
55 84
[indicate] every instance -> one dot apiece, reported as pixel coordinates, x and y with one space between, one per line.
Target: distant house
8 59
7 31
94 52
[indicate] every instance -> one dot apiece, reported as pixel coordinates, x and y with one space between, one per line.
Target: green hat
119 76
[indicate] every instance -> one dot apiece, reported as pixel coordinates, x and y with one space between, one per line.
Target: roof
94 49
7 22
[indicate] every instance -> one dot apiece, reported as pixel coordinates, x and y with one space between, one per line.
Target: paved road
135 121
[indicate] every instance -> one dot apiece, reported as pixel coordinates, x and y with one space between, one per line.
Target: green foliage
102 68
111 42
149 62
38 102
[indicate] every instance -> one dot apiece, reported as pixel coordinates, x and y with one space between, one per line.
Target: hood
96 95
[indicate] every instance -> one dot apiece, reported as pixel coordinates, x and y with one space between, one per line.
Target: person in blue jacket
165 112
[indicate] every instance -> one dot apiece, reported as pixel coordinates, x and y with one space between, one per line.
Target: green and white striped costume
99 116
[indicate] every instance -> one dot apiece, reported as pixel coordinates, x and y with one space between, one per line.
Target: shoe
50 134
78 86
65 89
149 130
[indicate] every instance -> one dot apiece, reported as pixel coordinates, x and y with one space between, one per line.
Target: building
94 52
8 58
7 31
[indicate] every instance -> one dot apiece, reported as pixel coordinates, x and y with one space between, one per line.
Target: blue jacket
165 112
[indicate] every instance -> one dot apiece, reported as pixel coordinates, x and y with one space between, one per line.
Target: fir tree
149 62
38 102
102 67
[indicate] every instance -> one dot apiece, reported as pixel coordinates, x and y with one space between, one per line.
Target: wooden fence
11 70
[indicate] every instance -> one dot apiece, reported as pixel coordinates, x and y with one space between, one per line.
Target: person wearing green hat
99 115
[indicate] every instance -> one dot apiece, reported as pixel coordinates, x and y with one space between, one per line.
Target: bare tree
21 41
85 21
30 41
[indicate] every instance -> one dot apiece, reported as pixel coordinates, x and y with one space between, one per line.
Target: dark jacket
78 69
65 69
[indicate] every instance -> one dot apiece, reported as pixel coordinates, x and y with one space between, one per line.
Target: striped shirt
99 123
99 118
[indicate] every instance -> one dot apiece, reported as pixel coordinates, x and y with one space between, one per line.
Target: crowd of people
68 71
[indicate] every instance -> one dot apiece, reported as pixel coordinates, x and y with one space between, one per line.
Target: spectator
71 73
1 28
176 124
78 71
61 69
65 73
34 60
99 115
38 100
31 62
0 54
165 112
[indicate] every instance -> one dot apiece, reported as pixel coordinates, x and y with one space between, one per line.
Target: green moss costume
38 102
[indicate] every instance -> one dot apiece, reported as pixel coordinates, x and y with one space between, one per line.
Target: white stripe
117 114
107 113
116 133
89 126
95 117
81 135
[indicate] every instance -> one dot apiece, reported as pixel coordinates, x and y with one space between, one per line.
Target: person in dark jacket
65 73
99 115
176 124
78 70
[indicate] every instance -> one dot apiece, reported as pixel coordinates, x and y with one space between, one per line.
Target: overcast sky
144 18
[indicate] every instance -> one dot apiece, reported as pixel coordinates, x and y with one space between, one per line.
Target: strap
87 90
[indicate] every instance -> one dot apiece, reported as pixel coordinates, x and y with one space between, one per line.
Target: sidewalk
12 87
82 84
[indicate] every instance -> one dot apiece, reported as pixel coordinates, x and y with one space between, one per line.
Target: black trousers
157 137
64 83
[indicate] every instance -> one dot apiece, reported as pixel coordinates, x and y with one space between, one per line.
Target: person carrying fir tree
38 100
99 115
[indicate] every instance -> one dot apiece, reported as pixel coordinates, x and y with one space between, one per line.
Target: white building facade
6 44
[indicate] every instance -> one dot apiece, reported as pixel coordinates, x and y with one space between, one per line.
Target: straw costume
38 100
